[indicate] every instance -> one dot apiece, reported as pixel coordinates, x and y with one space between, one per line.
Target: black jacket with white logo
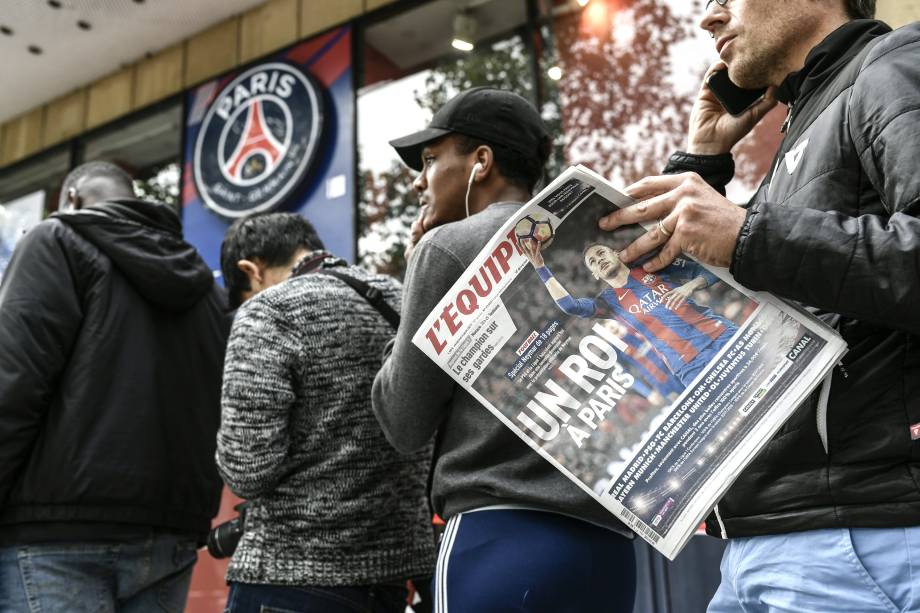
112 335
835 228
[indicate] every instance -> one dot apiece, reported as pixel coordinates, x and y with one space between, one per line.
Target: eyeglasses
719 2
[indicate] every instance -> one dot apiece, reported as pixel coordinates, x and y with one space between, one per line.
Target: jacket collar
829 56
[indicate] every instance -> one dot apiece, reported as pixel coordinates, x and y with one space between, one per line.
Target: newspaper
651 391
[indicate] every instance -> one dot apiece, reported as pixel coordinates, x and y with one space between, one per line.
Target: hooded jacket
835 227
112 336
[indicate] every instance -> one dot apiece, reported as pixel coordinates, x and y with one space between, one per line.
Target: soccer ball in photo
535 226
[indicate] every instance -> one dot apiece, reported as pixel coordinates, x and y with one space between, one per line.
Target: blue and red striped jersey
677 335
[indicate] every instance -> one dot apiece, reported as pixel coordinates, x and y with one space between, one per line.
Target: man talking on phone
827 517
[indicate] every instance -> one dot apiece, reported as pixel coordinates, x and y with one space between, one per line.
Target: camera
223 539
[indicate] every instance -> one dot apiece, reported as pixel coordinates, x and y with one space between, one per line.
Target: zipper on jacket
821 418
723 532
825 396
843 370
788 119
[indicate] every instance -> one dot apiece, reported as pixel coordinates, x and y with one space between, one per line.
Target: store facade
289 106
613 79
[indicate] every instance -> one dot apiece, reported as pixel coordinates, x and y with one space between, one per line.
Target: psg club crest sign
258 140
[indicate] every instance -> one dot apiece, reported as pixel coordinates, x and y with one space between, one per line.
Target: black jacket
835 228
112 336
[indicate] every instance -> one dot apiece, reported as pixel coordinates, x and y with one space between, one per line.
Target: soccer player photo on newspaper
649 390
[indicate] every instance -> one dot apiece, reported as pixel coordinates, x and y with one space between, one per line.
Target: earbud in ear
476 168
469 185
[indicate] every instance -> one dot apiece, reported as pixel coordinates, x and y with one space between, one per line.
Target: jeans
251 598
150 574
858 569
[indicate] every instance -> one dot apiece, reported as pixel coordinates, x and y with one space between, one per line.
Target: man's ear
73 199
253 272
485 157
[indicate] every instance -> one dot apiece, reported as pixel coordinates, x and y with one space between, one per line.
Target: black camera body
223 538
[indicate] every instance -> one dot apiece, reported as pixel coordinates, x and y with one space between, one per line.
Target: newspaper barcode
639 526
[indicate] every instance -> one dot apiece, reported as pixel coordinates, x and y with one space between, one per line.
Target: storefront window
160 183
28 192
148 148
410 70
44 173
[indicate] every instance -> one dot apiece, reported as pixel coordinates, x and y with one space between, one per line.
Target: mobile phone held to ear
736 100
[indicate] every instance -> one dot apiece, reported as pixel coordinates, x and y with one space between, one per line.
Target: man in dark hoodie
112 336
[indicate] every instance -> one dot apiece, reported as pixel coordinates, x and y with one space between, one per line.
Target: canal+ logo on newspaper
258 139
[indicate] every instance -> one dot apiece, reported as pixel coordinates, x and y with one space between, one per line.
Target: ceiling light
464 32
582 3
554 73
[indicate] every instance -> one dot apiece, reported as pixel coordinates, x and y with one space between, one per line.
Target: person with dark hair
520 170
337 520
827 517
97 181
860 9
260 245
112 337
520 536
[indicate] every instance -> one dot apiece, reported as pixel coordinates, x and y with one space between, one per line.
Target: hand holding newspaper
651 391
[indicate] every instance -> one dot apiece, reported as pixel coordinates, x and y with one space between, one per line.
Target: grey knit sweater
332 502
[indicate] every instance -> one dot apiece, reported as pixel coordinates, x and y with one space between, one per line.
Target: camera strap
372 295
321 262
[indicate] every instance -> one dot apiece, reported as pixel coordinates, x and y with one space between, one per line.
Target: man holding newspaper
829 512
519 535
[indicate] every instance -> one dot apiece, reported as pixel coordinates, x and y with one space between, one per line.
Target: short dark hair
96 170
584 252
273 238
517 169
861 9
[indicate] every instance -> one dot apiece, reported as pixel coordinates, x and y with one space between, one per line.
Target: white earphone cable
469 185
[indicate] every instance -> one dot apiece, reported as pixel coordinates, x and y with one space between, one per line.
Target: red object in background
208 592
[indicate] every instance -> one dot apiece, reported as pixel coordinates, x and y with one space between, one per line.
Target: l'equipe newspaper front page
651 391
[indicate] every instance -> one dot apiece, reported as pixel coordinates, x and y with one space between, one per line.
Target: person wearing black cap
516 137
520 536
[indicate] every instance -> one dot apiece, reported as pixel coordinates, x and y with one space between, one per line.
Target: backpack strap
373 295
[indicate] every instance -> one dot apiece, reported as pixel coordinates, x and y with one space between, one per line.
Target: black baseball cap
495 116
